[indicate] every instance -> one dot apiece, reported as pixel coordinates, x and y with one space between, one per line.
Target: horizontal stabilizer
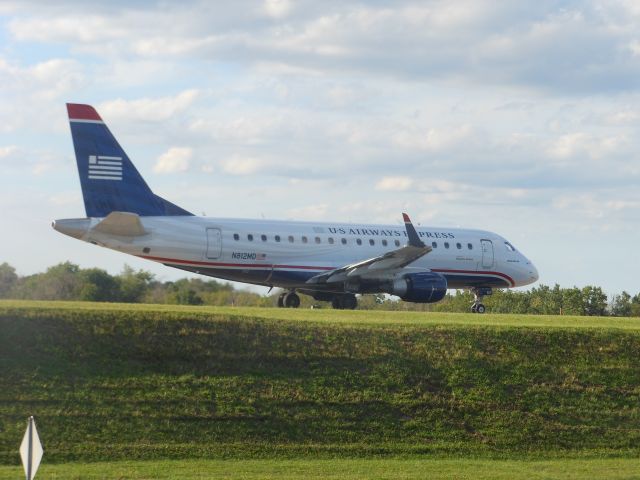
124 224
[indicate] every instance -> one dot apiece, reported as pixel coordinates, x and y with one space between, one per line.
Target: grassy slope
112 382
347 469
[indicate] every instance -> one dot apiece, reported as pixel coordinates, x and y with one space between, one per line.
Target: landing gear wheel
337 303
349 302
291 300
344 302
478 294
281 299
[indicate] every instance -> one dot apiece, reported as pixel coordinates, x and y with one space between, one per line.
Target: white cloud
394 184
67 28
309 212
149 109
560 47
475 113
46 80
7 151
66 198
176 159
277 8
581 144
433 139
242 165
624 116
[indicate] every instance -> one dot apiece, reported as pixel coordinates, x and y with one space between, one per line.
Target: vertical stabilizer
110 182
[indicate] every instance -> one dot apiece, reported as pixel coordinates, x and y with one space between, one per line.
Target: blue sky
517 117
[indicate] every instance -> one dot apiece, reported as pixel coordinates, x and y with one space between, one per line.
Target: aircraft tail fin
109 180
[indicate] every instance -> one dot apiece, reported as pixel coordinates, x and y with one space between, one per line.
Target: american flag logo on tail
103 167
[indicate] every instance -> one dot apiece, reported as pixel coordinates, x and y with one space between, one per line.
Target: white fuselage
287 254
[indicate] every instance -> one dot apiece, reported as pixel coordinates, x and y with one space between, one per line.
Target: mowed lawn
344 317
347 469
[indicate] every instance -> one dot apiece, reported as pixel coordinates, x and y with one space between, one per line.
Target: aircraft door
214 243
487 253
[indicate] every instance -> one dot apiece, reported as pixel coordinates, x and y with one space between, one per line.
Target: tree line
67 281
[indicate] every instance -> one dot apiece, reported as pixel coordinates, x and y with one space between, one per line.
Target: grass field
345 317
344 469
331 394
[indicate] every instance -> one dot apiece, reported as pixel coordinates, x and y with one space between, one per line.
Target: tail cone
74 227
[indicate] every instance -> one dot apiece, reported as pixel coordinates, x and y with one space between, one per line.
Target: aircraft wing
380 265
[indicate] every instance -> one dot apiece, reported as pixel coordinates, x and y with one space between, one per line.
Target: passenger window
343 241
359 242
384 242
236 236
372 242
250 237
290 238
470 246
331 240
459 246
304 240
277 238
397 243
446 244
317 239
434 244
264 238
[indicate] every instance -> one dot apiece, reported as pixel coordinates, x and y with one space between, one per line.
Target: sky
517 117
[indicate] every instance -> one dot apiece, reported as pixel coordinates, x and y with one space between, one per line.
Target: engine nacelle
424 287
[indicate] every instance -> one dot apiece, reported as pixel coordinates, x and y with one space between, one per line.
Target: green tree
621 305
134 285
187 296
59 282
635 306
97 285
8 279
572 303
594 301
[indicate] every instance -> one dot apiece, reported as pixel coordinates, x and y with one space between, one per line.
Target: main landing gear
478 294
288 300
344 302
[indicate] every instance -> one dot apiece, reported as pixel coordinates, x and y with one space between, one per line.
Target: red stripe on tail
78 111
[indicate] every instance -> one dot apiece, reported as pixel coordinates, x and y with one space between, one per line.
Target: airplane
330 261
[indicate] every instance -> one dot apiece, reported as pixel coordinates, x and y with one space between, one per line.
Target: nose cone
74 227
533 273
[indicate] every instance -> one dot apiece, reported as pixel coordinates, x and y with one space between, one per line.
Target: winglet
414 238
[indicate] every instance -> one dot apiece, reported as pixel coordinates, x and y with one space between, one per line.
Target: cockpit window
510 247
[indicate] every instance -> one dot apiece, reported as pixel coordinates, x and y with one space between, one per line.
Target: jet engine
423 287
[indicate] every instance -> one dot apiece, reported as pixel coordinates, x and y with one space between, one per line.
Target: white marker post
31 450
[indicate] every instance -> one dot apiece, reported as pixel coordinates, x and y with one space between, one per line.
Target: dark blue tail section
110 182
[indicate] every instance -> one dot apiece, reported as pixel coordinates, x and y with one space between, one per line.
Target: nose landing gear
478 294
